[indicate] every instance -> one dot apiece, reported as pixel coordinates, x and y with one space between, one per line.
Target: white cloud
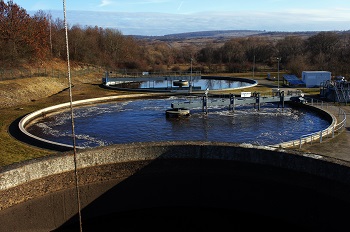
105 3
39 5
155 1
162 24
148 2
182 2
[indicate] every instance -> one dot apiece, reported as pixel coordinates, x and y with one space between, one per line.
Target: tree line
25 38
324 51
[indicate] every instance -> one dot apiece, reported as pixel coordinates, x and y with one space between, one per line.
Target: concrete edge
26 120
30 170
253 82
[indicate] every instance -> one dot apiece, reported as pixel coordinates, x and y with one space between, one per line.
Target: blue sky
159 17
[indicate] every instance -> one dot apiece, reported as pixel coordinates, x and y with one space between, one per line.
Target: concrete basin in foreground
177 186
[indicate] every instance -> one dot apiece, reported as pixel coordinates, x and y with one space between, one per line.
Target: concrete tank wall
41 142
306 189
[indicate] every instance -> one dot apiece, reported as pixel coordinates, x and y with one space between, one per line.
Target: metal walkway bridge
231 100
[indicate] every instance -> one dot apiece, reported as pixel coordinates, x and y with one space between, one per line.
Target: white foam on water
46 129
89 141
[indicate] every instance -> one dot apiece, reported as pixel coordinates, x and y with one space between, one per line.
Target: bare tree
290 47
323 49
14 22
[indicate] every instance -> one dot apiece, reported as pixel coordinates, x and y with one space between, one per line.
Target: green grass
310 91
13 150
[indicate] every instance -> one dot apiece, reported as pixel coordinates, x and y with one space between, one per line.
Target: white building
315 78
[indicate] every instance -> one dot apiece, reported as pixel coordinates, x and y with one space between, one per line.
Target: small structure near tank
315 78
292 81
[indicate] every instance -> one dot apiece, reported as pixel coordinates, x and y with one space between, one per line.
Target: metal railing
338 125
329 132
121 74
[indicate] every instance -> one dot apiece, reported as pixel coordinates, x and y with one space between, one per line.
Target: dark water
144 120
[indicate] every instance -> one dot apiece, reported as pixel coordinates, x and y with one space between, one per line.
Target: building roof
316 72
293 80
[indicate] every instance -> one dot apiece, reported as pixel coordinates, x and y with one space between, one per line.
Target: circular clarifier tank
173 83
145 120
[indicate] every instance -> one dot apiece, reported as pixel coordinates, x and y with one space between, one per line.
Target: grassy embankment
22 96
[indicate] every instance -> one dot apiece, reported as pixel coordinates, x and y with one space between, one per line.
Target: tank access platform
231 100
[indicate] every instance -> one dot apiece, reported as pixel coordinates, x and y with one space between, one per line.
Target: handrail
151 74
320 135
334 128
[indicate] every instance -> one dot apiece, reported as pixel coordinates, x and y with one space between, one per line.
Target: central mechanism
183 108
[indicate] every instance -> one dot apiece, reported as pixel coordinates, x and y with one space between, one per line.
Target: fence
329 132
319 136
45 72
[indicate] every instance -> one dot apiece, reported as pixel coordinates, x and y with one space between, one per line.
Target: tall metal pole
191 66
278 73
72 120
253 66
191 78
50 18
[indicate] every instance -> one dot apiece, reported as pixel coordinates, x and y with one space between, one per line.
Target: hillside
200 38
204 34
16 92
226 34
23 90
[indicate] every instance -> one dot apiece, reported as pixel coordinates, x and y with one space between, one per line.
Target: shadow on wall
207 195
194 186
